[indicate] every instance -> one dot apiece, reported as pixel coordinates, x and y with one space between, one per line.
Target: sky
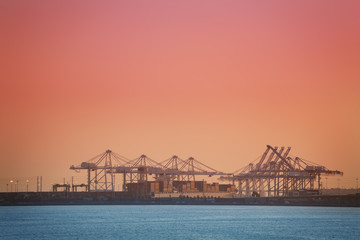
216 80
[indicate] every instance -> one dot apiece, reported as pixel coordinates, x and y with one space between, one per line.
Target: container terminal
275 179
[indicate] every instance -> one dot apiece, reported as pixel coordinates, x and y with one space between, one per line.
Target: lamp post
27 185
326 184
11 182
17 186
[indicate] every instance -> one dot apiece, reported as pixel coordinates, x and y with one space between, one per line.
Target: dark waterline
178 222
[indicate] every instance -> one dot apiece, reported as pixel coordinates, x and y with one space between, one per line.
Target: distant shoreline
121 198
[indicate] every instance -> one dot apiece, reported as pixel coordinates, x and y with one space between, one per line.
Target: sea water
178 222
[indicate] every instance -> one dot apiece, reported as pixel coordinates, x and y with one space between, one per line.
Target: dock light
27 185
11 182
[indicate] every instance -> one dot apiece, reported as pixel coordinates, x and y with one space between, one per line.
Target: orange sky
217 80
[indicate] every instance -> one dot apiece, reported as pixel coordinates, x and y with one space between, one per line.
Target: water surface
178 222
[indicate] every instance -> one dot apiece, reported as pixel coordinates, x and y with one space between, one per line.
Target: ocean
178 222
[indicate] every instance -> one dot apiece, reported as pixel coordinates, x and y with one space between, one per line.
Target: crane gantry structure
99 178
177 169
275 174
278 174
102 168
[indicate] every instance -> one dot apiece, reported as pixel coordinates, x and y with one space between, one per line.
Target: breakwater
124 198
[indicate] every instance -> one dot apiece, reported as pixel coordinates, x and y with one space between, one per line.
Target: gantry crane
101 170
277 174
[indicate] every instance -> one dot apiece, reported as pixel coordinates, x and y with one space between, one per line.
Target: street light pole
27 185
326 185
11 182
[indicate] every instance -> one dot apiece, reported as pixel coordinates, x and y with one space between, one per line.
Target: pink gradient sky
217 80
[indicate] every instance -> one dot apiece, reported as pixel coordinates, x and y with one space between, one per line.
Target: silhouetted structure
102 168
275 174
278 174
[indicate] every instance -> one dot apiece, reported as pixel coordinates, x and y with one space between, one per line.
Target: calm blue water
178 222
